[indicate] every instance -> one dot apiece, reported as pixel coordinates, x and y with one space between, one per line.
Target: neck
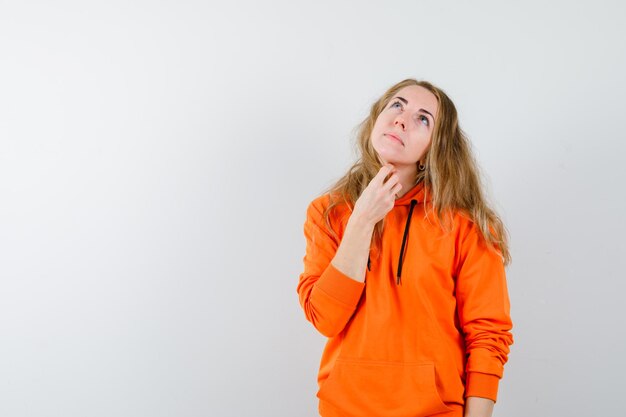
407 178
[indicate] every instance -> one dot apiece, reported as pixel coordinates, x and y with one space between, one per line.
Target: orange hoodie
423 332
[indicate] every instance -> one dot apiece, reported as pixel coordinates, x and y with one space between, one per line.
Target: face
402 132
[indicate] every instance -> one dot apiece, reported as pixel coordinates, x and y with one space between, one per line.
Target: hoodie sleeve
327 296
484 313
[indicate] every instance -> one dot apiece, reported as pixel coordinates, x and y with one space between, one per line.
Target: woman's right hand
379 196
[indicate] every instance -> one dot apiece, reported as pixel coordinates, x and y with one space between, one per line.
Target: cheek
421 140
377 130
374 140
382 120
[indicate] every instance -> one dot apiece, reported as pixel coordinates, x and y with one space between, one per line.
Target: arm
478 407
352 254
483 312
334 272
331 285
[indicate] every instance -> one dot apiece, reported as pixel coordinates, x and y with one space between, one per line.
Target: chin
389 159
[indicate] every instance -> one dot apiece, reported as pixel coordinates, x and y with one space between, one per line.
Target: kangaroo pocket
387 389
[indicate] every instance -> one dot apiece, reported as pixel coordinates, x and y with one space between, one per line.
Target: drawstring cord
406 232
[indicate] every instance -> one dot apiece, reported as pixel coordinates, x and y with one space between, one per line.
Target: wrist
478 407
360 222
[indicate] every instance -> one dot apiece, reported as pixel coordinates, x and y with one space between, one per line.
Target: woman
404 270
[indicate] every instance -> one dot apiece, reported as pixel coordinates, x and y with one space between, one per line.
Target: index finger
383 172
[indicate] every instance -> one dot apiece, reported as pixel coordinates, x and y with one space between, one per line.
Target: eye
394 103
422 117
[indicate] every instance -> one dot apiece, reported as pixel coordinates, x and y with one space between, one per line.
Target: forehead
419 97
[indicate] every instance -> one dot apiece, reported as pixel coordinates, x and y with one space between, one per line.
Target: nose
399 121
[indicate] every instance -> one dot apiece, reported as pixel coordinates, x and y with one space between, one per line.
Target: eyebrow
406 102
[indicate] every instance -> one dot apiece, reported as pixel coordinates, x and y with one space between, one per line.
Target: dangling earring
421 167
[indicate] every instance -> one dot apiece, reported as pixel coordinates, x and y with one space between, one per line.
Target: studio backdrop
157 159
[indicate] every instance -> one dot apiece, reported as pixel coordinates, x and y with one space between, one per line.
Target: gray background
157 158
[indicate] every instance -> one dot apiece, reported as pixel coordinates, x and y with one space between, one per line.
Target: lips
396 137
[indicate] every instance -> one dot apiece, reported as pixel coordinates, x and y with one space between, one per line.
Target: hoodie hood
418 192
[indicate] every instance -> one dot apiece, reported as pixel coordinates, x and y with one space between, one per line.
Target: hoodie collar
418 193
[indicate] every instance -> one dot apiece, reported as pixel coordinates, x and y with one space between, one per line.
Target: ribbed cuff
481 385
340 286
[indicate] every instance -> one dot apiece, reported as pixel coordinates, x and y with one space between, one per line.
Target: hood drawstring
406 232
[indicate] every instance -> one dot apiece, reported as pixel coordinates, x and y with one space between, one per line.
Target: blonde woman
404 270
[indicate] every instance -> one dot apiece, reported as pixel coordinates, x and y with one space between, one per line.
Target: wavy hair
451 173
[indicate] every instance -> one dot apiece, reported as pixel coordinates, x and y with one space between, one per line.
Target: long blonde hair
451 174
